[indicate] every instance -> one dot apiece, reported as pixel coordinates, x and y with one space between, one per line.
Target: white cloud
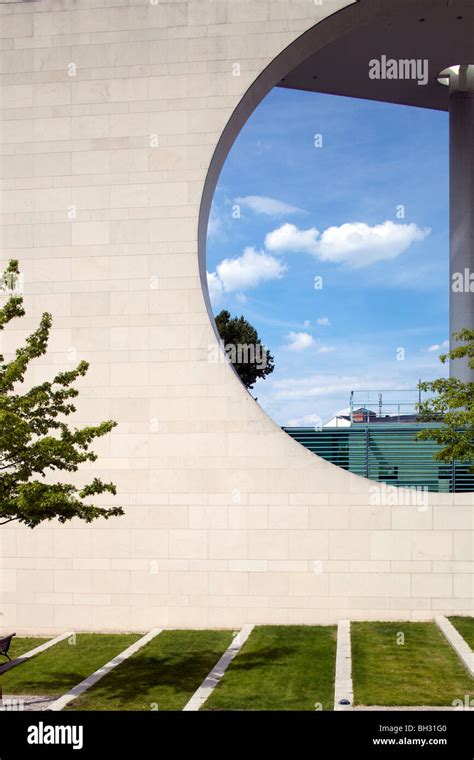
439 346
249 270
214 225
320 386
241 298
310 420
354 243
307 323
299 341
261 204
323 321
326 350
214 286
289 238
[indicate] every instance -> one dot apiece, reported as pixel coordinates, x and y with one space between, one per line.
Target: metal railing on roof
388 405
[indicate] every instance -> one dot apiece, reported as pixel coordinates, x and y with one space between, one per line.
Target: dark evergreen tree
250 358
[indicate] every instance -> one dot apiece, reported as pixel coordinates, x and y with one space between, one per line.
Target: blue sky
286 211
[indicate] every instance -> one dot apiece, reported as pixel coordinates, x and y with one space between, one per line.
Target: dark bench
5 645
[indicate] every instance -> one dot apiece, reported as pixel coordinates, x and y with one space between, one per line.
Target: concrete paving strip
343 689
76 691
460 646
210 682
37 650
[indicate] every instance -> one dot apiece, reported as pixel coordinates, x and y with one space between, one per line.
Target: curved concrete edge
343 688
61 702
37 650
460 646
210 682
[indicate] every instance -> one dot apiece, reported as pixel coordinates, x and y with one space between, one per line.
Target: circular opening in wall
326 230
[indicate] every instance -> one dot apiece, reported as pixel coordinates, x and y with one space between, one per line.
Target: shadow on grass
175 675
55 683
64 665
264 656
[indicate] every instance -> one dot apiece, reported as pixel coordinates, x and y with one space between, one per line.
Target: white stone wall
228 521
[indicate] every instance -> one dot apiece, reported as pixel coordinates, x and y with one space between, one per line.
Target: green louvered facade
387 453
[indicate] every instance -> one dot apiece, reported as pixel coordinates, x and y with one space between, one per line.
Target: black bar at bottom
136 735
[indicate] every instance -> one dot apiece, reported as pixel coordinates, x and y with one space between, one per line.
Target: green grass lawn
465 626
21 645
162 676
280 668
422 671
64 665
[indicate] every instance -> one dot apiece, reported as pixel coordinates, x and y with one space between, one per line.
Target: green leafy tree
250 358
453 405
35 441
